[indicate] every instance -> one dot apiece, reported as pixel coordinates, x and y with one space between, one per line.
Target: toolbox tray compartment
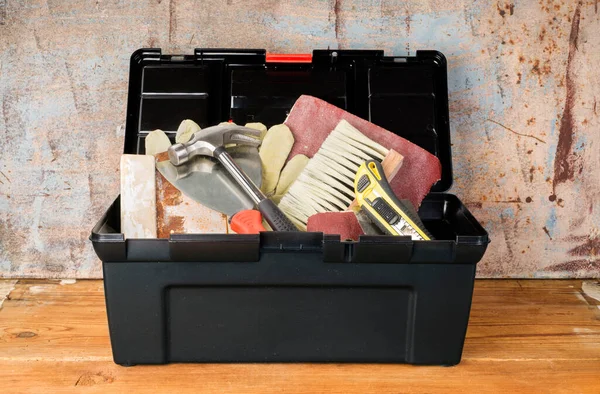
292 297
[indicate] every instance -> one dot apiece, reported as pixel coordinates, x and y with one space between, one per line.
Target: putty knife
206 181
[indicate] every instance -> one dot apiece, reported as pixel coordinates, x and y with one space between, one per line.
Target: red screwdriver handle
247 222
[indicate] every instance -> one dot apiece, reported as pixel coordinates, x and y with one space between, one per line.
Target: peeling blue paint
465 77
551 221
581 142
508 213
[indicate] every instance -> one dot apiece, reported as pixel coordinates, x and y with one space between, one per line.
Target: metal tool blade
366 224
206 181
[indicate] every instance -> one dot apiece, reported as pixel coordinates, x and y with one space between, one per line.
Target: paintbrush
327 182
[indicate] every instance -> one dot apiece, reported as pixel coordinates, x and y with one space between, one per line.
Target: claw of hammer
211 142
206 141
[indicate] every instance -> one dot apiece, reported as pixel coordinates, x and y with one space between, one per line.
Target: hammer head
204 142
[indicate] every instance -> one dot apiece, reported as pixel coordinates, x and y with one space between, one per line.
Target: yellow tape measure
376 198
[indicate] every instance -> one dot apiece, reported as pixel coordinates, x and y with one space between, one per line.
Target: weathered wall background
524 81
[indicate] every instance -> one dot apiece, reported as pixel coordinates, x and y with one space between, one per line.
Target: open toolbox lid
406 95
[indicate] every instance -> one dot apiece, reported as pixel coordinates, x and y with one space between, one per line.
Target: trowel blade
206 181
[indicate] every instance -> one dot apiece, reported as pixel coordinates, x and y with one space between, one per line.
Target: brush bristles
327 182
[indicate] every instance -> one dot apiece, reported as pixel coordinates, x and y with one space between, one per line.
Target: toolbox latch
383 249
214 247
291 241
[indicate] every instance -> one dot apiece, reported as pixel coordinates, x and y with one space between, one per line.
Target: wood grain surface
523 82
523 337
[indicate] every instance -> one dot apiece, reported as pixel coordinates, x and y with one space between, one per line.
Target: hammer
211 142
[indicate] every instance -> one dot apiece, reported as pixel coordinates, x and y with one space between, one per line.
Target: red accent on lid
289 58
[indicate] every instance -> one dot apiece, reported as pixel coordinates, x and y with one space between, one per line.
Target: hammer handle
239 176
275 216
271 212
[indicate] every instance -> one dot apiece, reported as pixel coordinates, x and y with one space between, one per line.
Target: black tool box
292 297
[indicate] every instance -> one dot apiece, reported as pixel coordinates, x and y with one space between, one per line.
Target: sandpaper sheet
343 223
311 120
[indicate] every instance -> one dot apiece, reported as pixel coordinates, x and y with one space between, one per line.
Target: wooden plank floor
523 337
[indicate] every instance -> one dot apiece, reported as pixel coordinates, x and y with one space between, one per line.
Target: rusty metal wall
524 81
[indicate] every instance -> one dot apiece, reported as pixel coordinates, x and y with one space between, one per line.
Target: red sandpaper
343 223
311 120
